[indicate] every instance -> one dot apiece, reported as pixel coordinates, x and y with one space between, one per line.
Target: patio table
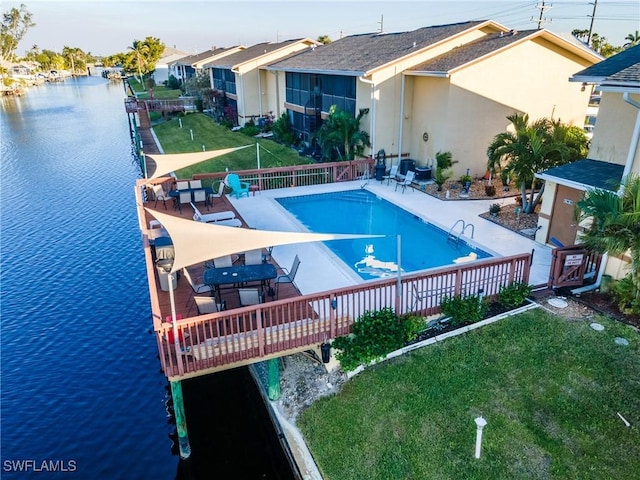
262 273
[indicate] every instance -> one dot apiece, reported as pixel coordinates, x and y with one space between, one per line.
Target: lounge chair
238 188
211 217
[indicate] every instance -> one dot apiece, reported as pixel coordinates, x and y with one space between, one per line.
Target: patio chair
184 197
201 196
392 175
195 184
238 188
253 257
267 256
250 296
208 305
160 194
222 262
289 275
408 180
197 287
218 194
183 185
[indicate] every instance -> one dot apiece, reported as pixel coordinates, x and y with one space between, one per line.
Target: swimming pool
359 211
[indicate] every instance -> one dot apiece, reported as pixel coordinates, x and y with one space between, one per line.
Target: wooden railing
132 105
235 337
298 175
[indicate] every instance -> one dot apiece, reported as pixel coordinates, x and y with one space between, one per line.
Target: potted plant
465 180
494 209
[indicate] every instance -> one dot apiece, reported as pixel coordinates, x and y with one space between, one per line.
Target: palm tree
340 134
633 39
615 225
532 148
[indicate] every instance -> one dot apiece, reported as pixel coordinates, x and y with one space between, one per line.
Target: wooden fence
227 339
297 175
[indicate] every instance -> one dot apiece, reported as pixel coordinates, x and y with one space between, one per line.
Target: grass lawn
549 388
160 92
213 136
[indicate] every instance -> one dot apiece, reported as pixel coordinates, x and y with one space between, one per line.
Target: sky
107 27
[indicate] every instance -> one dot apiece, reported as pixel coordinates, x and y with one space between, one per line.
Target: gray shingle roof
592 173
198 57
250 53
358 54
610 66
471 51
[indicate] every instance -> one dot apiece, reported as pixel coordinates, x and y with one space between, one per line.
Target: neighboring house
169 55
439 88
613 152
243 83
186 67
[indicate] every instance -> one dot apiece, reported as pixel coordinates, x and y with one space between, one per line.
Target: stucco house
240 79
438 88
169 56
186 67
613 152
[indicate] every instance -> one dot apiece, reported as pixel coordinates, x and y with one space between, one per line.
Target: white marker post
480 422
191 130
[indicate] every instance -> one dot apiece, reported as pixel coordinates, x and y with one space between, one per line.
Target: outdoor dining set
192 191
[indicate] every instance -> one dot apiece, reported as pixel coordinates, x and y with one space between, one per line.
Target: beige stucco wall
463 113
614 129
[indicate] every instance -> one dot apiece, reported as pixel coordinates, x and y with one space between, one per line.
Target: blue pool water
359 211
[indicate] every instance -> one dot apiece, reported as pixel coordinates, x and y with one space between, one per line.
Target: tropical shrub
374 335
514 295
460 309
626 295
283 131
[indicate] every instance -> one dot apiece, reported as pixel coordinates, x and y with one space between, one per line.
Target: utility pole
542 19
381 22
593 17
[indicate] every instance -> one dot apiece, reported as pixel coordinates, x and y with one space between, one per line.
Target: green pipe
181 420
273 369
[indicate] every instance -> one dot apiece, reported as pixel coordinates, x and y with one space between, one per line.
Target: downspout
244 112
259 93
373 112
400 130
634 139
596 284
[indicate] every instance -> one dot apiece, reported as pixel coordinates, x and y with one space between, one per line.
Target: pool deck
321 270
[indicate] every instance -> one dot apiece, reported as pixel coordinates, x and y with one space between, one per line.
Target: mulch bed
605 303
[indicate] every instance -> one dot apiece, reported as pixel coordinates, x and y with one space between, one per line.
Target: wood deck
241 335
183 294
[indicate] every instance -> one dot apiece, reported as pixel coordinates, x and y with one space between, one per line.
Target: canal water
82 393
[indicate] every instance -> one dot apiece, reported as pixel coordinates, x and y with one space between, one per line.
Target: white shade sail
196 242
167 163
